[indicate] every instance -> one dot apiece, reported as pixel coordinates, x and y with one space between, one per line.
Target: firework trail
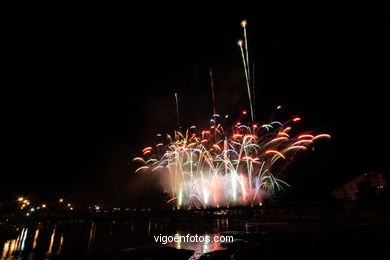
177 111
243 24
247 78
253 92
245 61
212 91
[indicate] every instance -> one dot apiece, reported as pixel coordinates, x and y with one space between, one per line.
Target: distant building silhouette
362 187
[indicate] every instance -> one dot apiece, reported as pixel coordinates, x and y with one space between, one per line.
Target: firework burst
218 167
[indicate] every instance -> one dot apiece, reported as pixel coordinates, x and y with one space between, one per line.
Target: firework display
226 165
215 167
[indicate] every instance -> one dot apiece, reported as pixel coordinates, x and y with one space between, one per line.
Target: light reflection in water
199 248
178 244
17 243
14 245
45 240
5 249
91 235
23 239
61 242
149 227
23 244
35 238
51 241
132 225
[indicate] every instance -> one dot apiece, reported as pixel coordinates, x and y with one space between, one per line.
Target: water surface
103 238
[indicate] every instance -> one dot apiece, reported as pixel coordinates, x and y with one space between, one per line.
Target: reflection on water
199 248
28 241
91 234
35 238
43 241
52 240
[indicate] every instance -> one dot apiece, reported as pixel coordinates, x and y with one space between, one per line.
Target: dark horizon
84 95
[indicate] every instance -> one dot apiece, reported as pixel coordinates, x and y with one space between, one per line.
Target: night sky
84 92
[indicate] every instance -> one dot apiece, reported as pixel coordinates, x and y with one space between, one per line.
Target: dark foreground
310 241
360 232
295 240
